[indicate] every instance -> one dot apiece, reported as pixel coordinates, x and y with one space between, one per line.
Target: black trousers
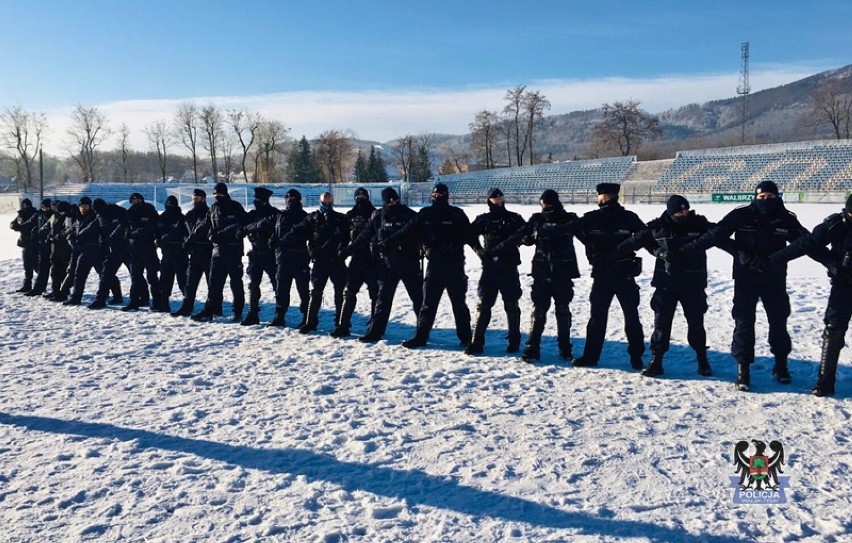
173 266
60 261
144 264
292 266
43 267
112 260
389 276
772 291
362 270
505 281
29 254
199 265
226 263
441 276
322 271
664 302
551 285
604 289
89 258
839 310
260 262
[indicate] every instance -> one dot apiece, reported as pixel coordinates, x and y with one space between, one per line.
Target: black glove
240 233
745 258
759 264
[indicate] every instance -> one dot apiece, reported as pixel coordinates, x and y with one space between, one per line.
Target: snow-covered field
142 427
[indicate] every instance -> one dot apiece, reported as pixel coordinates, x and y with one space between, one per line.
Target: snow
135 427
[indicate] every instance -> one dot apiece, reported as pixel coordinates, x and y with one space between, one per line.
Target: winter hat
220 188
262 193
26 202
608 188
389 194
99 205
361 191
849 204
441 188
294 194
171 201
199 192
495 193
85 201
550 197
46 202
676 203
767 186
62 207
137 196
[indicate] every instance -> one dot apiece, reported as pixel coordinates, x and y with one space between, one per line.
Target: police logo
758 478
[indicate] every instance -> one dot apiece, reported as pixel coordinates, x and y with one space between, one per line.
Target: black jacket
496 227
551 233
601 231
112 226
196 233
225 217
836 231
26 223
279 225
142 224
85 231
257 235
170 228
358 219
394 230
326 233
444 231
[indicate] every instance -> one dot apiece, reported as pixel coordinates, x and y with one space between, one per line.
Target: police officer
554 267
363 266
86 242
499 270
763 227
292 262
836 231
42 233
60 252
327 234
393 228
26 223
196 241
111 223
261 257
601 231
445 230
144 264
173 265
678 278
69 234
223 220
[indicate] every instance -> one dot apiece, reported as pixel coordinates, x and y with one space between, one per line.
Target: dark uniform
759 229
85 236
225 217
196 241
327 233
173 265
261 256
679 278
835 230
393 228
292 262
26 224
554 267
444 230
601 231
112 236
144 264
60 251
499 270
69 233
363 266
42 233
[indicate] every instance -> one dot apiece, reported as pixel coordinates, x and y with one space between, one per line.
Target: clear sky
383 69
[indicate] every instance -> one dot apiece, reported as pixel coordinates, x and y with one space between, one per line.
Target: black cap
550 197
262 193
849 204
495 193
294 194
389 194
441 188
171 201
85 201
99 205
137 196
676 203
26 202
46 202
608 188
361 191
62 207
766 186
199 192
220 188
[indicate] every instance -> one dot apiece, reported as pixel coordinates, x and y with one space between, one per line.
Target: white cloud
386 114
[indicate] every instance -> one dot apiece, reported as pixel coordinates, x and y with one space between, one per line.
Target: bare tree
88 130
534 104
245 125
484 130
21 134
271 138
624 126
229 146
124 150
334 155
159 137
455 158
186 127
211 120
403 149
514 111
832 105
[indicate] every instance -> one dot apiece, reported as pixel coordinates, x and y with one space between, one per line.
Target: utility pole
40 175
744 88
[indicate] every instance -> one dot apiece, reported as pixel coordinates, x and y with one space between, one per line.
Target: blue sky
385 68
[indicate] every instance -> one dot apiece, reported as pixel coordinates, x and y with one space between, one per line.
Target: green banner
720 197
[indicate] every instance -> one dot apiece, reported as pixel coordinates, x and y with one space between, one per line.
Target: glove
240 233
480 252
759 264
744 258
669 256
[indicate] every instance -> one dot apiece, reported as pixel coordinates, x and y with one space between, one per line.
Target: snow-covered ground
142 427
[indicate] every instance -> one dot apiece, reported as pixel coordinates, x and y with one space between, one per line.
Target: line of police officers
63 243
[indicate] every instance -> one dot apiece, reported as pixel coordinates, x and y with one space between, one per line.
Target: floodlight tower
744 88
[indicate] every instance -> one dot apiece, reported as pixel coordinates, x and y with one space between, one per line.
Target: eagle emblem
758 471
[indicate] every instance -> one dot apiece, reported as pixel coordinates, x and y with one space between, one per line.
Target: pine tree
304 169
421 168
362 173
376 167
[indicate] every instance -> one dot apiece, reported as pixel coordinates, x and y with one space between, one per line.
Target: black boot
278 319
743 375
477 343
780 371
185 309
563 333
251 319
312 318
703 363
513 319
340 331
344 321
28 286
832 342
205 315
99 303
532 352
655 368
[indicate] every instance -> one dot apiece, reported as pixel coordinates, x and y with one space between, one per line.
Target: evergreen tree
362 173
421 168
376 167
304 166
